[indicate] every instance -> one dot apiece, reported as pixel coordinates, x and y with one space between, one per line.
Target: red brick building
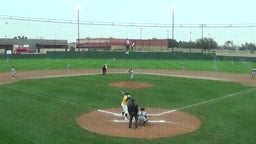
120 44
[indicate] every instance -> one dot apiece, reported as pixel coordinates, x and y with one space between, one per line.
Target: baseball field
207 102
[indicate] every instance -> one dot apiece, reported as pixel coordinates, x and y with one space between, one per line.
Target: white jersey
142 117
131 73
254 71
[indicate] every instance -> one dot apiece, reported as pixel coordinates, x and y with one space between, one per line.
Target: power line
31 19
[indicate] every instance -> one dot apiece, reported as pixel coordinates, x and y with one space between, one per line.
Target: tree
228 44
206 44
20 37
249 46
172 43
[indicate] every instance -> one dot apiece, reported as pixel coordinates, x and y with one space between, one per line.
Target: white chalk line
108 112
216 99
149 121
115 114
189 106
125 121
119 115
56 99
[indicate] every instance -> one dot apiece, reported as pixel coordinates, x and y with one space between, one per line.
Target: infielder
13 72
253 72
124 104
104 69
130 71
68 66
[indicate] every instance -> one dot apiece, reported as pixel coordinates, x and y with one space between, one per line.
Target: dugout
5 47
51 47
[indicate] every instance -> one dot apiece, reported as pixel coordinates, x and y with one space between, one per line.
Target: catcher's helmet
142 109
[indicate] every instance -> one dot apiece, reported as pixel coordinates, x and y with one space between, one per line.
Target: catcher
142 116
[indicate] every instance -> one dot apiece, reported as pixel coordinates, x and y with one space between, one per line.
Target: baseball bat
123 92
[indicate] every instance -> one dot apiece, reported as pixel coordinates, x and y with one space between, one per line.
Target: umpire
133 112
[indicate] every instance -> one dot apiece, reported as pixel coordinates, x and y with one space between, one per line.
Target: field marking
119 115
150 121
108 112
216 99
189 106
56 99
115 114
170 111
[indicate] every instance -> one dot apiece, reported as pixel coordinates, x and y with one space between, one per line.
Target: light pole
190 33
173 9
78 8
140 33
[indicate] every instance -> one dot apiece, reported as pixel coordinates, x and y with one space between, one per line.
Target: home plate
151 121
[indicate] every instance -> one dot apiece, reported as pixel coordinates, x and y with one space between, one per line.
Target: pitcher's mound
131 84
162 123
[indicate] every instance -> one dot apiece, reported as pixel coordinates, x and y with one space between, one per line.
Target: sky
136 11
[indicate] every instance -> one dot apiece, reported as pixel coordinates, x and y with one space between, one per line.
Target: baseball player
133 112
124 104
142 116
68 66
183 66
127 44
104 69
13 72
130 71
253 72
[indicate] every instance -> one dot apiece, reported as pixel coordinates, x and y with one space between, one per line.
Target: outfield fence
130 55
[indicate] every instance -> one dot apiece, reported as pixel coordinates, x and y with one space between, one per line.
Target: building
121 44
9 46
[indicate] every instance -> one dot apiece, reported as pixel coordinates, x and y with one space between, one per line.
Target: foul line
216 99
159 114
56 99
188 106
108 112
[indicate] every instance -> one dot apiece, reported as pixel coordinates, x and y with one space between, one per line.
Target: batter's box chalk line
150 121
118 115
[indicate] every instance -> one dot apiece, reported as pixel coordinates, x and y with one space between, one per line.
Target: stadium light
78 8
173 9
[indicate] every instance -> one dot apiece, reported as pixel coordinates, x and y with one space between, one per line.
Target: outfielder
124 104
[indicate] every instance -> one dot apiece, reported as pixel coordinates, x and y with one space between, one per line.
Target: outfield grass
44 111
203 65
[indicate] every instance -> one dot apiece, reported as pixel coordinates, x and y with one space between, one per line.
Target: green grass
204 65
44 111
